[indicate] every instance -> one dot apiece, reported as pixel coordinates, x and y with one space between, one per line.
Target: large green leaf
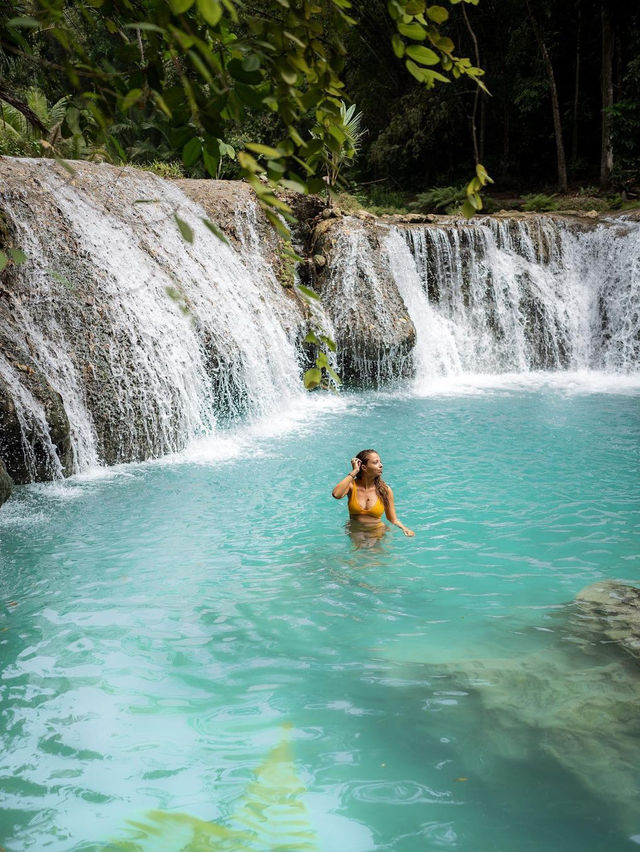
398 45
423 55
438 14
180 6
191 152
211 11
312 378
413 30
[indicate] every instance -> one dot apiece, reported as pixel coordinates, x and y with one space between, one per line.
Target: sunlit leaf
438 14
4 260
211 11
18 256
180 6
336 378
266 150
468 209
312 378
423 55
130 99
398 45
414 31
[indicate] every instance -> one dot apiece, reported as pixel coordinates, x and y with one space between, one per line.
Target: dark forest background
419 138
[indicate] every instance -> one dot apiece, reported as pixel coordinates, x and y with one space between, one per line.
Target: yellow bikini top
355 508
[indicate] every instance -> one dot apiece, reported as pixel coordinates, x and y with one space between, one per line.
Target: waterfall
121 340
519 295
149 340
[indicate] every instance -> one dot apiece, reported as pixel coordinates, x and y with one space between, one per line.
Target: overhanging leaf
307 291
180 6
423 55
215 230
185 230
312 378
18 256
211 11
438 14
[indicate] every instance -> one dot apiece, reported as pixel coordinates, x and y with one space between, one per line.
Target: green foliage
581 202
440 199
181 74
344 144
170 169
65 128
378 198
321 375
540 203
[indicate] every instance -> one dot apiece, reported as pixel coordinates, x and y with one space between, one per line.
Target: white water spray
516 296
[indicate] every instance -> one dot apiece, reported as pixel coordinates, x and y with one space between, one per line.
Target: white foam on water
579 382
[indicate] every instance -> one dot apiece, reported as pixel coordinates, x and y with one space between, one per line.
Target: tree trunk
476 97
606 81
555 106
483 123
506 137
576 94
7 95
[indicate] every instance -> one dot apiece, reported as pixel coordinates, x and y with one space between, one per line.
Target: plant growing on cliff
322 374
341 148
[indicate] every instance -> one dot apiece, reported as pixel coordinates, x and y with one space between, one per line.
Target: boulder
370 322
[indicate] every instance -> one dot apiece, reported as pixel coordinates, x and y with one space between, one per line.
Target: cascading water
148 339
120 340
514 296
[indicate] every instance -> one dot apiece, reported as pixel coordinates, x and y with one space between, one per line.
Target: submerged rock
6 485
612 609
574 702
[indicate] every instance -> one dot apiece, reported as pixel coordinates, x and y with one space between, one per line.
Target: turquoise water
201 636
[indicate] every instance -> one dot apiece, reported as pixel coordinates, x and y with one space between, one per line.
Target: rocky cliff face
119 338
372 328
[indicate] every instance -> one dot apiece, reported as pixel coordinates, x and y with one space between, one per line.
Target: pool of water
196 654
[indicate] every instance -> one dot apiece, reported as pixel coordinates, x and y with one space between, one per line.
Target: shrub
440 199
540 203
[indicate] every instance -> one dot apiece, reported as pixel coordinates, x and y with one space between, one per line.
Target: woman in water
369 494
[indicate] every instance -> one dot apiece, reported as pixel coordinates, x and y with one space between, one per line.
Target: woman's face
373 465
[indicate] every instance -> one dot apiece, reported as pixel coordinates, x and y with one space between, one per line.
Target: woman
369 495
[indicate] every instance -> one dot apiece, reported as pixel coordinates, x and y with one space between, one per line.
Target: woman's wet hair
382 489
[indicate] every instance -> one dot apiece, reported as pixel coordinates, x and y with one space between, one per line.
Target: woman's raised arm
342 488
